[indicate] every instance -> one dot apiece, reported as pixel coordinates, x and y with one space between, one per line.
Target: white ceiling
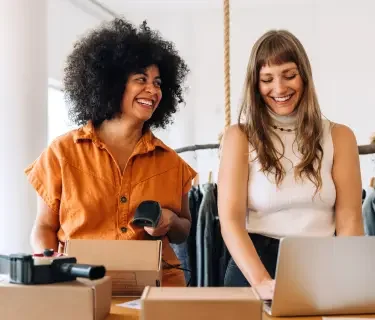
122 7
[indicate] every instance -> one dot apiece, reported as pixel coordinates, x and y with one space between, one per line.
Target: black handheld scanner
147 214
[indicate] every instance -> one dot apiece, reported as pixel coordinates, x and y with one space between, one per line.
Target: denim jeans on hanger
181 251
368 214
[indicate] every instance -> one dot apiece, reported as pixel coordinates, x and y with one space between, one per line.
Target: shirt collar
147 143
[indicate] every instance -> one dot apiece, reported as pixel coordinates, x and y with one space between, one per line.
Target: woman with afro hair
120 83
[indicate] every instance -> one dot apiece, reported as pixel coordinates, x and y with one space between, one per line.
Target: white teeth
282 99
144 101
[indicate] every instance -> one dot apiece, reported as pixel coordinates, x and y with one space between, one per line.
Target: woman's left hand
265 289
164 224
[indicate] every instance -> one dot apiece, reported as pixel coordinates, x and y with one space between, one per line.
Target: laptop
324 276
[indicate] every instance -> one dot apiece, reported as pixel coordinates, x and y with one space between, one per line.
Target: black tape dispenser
45 268
147 214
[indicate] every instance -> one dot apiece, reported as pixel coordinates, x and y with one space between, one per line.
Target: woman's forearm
179 230
244 253
351 230
43 238
350 225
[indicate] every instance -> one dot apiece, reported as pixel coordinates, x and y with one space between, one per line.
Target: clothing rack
362 149
196 147
367 149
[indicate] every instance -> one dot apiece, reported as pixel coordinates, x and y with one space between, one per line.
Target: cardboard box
132 264
186 303
77 300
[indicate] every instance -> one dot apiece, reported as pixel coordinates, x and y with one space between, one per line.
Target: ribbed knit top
291 209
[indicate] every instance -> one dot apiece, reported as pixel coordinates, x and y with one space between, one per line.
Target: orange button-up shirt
81 182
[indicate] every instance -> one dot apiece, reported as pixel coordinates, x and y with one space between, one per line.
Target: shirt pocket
87 201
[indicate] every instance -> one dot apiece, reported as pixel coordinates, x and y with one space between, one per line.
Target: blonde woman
285 170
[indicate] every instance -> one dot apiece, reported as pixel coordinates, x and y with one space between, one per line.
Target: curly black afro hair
98 69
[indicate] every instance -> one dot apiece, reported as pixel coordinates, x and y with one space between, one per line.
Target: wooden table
120 313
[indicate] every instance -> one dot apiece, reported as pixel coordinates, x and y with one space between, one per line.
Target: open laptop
324 276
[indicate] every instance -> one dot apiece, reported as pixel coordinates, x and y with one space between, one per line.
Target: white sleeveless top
291 209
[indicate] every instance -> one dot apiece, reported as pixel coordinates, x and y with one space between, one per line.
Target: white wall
67 20
23 124
338 36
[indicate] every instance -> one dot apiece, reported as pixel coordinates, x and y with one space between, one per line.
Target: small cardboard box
186 303
77 300
132 264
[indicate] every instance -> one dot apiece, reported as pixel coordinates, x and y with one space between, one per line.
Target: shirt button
123 199
123 229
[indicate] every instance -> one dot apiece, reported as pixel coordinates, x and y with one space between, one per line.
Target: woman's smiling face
281 87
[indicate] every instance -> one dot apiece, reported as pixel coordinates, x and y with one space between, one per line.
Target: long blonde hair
277 47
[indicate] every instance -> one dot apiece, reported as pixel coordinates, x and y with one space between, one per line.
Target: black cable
178 266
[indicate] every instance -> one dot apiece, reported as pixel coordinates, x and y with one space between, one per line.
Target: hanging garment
204 255
195 199
363 195
368 214
205 236
211 252
186 251
221 253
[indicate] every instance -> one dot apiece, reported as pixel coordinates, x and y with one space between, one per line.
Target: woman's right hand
265 289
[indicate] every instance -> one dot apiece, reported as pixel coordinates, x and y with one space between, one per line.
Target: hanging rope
227 62
227 109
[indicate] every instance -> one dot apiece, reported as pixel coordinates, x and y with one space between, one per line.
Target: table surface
121 313
118 313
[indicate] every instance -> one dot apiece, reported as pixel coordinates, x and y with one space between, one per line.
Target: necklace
283 129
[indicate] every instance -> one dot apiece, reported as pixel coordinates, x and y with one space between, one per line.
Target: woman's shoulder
66 141
235 134
338 131
343 138
341 132
336 128
52 155
169 158
169 154
234 146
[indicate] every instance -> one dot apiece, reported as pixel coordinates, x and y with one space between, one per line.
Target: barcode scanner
147 214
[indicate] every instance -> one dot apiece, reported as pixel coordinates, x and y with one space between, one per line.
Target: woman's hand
164 225
265 289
